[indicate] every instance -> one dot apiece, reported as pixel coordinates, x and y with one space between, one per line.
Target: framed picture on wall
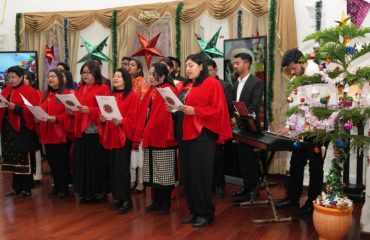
257 48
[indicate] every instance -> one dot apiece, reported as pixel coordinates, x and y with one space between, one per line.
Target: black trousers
22 182
58 158
90 167
298 162
248 165
219 166
119 168
197 157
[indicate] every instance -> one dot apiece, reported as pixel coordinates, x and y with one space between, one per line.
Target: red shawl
86 96
140 86
159 130
15 97
181 87
112 136
210 108
53 133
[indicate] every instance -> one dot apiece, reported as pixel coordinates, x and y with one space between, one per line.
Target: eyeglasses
85 73
52 76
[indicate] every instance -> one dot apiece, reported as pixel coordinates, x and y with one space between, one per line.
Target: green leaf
292 111
321 113
304 80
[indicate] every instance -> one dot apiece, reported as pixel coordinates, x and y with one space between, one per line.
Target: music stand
246 121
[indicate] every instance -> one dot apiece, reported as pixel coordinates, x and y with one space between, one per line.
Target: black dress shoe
245 197
117 204
220 192
53 192
126 207
12 193
286 202
188 219
201 222
153 207
307 209
25 194
242 191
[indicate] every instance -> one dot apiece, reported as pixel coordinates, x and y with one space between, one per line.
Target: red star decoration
49 53
148 49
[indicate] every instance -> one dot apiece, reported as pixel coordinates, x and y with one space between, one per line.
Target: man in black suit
219 162
247 89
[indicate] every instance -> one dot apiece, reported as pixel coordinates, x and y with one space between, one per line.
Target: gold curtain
146 14
74 45
188 41
37 41
126 37
250 24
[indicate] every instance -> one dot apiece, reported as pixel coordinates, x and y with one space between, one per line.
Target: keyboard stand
263 180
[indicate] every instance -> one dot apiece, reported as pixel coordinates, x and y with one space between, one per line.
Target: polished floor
44 217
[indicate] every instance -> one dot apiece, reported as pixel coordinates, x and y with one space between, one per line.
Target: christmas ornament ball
347 126
296 145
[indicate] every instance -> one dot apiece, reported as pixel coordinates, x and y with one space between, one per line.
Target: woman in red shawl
155 127
18 137
139 85
202 122
52 134
116 136
90 164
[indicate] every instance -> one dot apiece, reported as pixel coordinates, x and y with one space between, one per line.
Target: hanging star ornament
358 10
343 20
209 49
148 49
95 52
49 53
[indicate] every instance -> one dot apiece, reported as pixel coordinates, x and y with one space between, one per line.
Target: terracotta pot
332 223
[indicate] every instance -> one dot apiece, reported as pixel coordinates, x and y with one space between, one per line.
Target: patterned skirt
160 166
18 163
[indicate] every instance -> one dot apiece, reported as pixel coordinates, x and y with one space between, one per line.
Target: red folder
249 124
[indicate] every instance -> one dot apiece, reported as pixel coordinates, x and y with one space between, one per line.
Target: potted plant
326 105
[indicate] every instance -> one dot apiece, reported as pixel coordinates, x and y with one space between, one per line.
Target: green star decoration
209 49
95 52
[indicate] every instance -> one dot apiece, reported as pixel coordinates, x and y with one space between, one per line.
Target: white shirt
240 86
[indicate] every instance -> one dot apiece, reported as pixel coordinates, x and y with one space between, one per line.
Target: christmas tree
329 102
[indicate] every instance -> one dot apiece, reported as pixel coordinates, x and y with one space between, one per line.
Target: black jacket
251 94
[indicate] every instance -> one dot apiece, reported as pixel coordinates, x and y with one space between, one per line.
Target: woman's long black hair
199 59
160 70
60 87
95 70
127 82
139 66
69 79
